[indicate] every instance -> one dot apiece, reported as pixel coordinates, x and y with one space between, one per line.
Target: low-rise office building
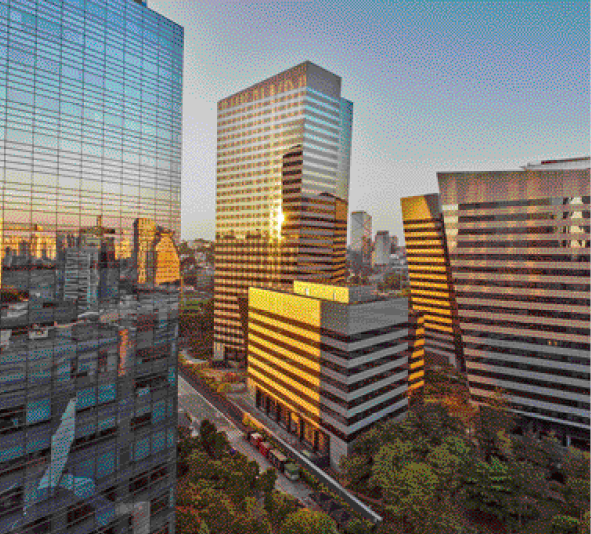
327 361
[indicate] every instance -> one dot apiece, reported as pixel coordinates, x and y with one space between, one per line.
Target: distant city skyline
438 86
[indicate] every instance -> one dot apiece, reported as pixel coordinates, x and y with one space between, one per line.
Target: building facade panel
90 126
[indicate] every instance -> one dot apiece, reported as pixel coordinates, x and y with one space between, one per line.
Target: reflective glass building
90 125
282 190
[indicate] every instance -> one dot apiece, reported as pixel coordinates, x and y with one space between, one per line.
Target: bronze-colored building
282 191
518 244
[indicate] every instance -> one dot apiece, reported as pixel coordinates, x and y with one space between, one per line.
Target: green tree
237 487
283 505
489 487
564 524
188 520
389 460
356 466
428 425
266 484
357 526
576 467
245 524
448 461
218 512
409 489
530 490
494 419
215 443
308 522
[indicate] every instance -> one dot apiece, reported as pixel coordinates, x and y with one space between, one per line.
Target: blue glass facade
90 141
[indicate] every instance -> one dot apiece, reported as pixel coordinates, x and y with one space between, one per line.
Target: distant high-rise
431 286
90 141
282 191
361 239
519 251
382 248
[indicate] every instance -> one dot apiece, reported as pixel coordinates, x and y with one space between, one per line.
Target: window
38 411
78 513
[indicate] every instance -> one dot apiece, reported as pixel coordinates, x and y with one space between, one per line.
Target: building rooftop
559 164
339 293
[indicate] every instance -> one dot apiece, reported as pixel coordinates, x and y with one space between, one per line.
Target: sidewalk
244 401
187 354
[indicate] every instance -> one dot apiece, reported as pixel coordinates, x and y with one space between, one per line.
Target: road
200 408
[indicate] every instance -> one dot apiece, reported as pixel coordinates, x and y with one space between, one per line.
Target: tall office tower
326 362
90 126
519 250
382 248
431 286
282 190
361 240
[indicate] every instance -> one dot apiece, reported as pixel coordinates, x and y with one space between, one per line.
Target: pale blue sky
436 86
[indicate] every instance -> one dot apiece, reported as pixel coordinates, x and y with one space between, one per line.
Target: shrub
564 524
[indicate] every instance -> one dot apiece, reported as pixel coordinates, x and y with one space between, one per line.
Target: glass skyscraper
282 193
90 126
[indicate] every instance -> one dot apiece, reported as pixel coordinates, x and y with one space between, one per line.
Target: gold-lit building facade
518 245
431 285
416 352
282 193
325 362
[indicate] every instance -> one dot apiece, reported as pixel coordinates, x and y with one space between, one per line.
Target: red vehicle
264 448
256 438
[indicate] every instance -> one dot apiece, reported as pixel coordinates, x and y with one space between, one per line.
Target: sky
436 86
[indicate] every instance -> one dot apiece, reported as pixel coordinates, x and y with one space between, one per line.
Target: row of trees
468 472
221 491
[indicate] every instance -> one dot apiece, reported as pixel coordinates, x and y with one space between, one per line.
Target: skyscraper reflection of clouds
90 127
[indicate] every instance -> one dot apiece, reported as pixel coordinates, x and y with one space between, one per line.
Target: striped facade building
326 361
431 286
518 245
416 352
282 191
